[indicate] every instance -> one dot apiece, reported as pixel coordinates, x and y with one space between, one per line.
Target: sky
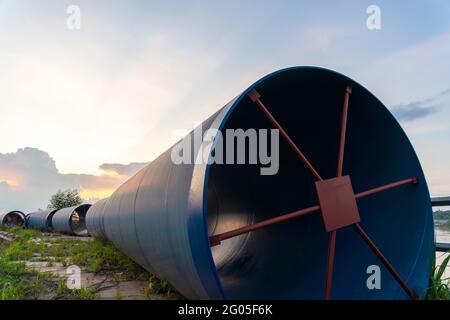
86 108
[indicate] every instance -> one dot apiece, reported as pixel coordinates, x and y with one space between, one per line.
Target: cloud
29 176
412 111
59 79
414 72
418 109
123 169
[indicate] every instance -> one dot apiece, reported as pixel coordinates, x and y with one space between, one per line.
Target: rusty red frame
216 239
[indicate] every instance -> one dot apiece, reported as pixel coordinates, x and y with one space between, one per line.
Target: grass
99 255
95 255
18 282
63 292
439 287
161 287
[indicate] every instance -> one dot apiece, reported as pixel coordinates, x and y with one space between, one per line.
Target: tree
64 199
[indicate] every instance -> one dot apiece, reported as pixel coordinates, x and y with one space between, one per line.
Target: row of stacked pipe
186 217
70 220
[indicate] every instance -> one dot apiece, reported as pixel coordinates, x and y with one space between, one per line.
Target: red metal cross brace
337 201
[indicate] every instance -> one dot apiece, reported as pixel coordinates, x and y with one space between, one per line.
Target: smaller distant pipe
94 219
40 220
12 219
71 220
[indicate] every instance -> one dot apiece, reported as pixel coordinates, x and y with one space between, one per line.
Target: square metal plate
337 202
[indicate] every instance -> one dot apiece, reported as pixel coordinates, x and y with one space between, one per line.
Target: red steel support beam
386 263
348 91
254 96
330 265
216 239
340 164
413 180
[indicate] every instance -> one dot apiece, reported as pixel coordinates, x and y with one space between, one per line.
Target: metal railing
441 202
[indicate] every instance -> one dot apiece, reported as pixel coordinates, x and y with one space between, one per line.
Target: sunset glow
95 194
74 100
11 183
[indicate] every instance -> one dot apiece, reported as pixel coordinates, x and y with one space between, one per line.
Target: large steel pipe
71 220
40 220
217 231
94 219
12 219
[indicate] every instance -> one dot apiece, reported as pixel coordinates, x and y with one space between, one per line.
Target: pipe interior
13 219
78 220
288 260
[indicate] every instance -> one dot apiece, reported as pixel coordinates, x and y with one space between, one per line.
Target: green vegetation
16 281
441 215
160 287
63 292
19 282
64 199
95 255
439 287
442 219
445 225
99 255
